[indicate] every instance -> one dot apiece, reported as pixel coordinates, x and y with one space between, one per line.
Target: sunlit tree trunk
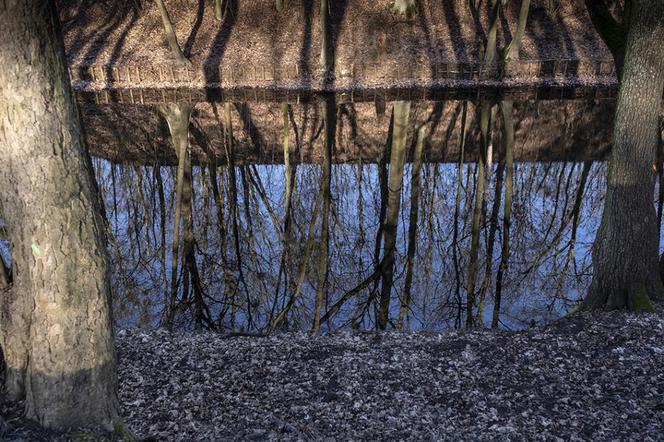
625 251
511 51
325 34
170 34
55 321
494 19
395 181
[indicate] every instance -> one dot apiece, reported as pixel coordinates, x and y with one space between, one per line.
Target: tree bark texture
625 251
55 323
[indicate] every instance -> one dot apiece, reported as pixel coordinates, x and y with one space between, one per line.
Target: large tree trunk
55 323
625 249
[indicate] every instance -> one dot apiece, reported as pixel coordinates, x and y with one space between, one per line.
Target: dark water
249 258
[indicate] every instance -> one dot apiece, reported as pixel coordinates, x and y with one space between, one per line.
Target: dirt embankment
554 130
120 44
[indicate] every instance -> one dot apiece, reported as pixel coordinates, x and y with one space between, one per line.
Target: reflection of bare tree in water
259 245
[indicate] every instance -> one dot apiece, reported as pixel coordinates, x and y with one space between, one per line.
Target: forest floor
587 377
119 44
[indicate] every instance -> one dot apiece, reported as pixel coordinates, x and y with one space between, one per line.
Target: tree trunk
457 207
55 323
625 251
177 117
325 35
395 181
508 145
329 110
170 34
485 123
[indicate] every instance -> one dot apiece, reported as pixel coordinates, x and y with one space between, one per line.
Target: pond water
265 240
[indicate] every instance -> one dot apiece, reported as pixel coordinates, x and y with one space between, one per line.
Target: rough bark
55 323
625 251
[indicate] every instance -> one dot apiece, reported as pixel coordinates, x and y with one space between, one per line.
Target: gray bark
55 323
625 251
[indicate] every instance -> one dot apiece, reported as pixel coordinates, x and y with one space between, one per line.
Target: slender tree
170 32
177 117
511 52
395 181
329 115
55 323
324 12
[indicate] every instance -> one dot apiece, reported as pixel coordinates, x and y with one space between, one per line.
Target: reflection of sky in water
544 278
531 294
